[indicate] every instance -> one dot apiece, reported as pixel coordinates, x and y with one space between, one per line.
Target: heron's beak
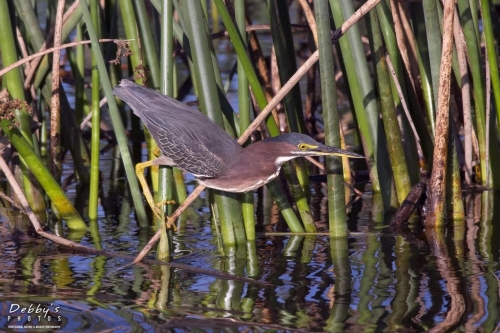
331 151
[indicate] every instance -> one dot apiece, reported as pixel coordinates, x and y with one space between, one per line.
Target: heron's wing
187 150
194 142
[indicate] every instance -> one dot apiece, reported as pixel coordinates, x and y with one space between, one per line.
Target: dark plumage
174 126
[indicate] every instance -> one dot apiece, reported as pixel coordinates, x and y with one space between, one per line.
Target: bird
192 142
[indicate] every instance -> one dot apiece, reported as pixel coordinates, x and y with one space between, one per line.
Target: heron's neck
282 159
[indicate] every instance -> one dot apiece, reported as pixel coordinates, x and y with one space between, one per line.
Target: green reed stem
365 105
247 65
147 42
247 204
165 174
96 120
68 28
420 35
479 89
334 170
167 88
116 121
389 117
14 84
130 24
433 43
79 75
229 211
285 56
180 194
491 49
70 130
454 198
426 140
11 79
285 207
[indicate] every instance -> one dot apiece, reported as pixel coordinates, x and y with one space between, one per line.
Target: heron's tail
138 97
142 99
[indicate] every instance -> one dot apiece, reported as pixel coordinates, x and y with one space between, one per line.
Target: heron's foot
171 223
158 214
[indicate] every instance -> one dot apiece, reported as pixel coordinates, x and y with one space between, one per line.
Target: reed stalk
167 88
14 84
229 210
434 43
260 97
116 121
436 200
389 117
334 170
55 104
284 50
426 140
247 205
95 147
70 129
491 53
364 104
488 145
420 34
140 76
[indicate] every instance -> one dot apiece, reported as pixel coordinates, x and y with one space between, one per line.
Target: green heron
192 142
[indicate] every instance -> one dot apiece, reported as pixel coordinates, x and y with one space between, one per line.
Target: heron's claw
169 221
139 170
165 202
157 152
158 214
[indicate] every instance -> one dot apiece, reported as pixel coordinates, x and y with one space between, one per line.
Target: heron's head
293 145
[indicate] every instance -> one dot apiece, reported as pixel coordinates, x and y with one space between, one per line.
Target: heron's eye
302 146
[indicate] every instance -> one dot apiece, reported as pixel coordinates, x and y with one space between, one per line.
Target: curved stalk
43 175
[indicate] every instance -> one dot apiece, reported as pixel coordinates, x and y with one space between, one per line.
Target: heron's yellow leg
157 152
139 171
